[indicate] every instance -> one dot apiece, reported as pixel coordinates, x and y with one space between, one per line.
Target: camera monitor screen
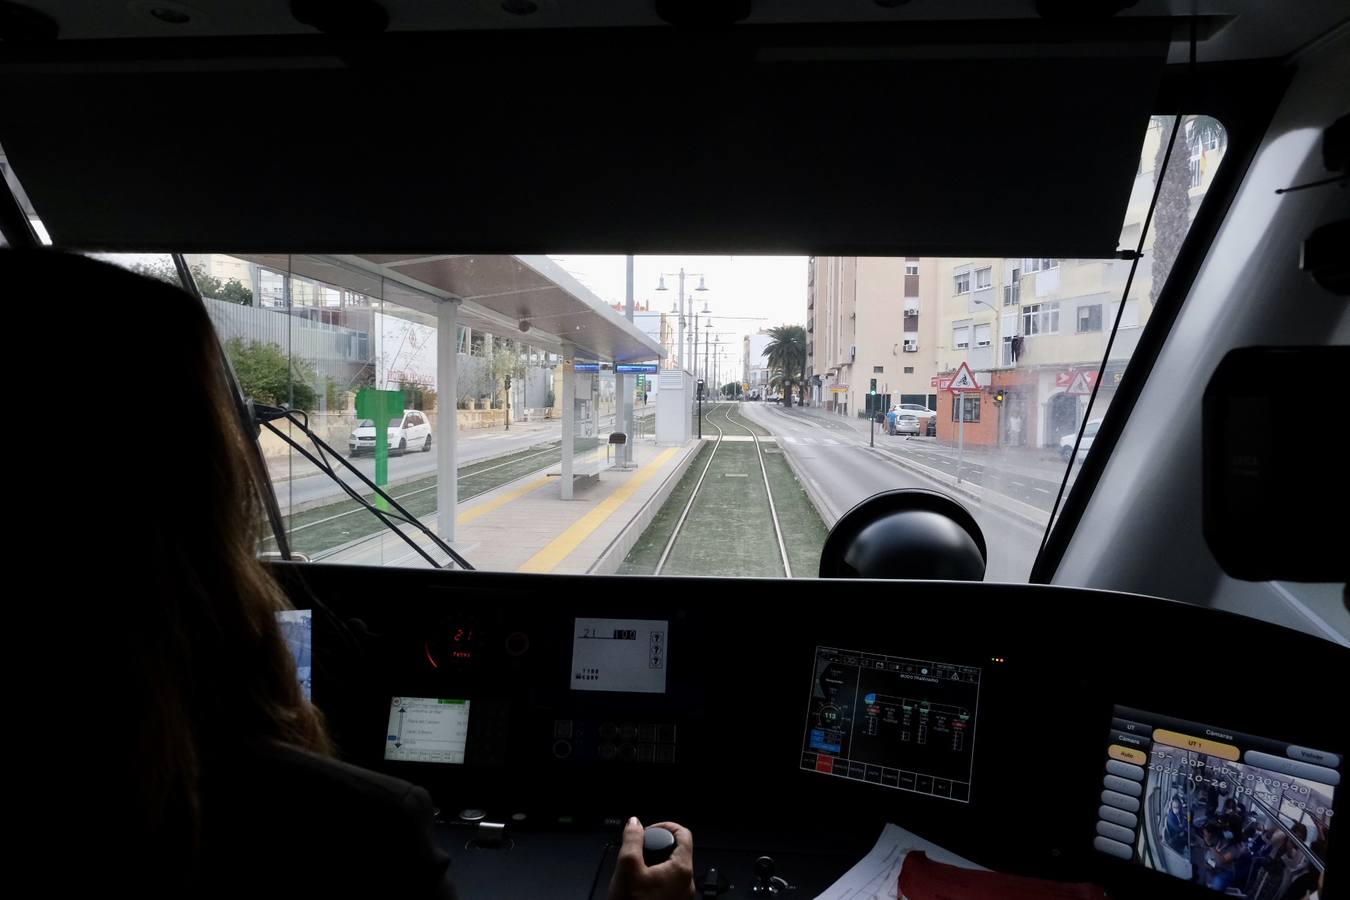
1243 815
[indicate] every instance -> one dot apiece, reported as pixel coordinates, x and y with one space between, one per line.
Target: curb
823 508
609 560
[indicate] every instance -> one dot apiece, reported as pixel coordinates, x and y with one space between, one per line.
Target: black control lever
657 845
766 882
713 884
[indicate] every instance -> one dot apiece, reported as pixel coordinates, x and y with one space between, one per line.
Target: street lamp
692 357
997 351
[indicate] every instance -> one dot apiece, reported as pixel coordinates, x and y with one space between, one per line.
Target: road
303 491
831 453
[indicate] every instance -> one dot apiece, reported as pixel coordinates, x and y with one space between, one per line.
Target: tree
232 291
505 363
268 376
1172 216
731 389
786 352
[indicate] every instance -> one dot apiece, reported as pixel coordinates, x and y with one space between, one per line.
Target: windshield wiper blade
266 415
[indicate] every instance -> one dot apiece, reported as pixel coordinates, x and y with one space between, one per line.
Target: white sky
745 293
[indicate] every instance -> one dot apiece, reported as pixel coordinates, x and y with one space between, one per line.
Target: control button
627 732
490 835
562 728
665 734
925 784
1127 754
960 791
1120 801
1316 757
627 752
1113 848
609 731
825 764
665 753
1204 746
907 781
607 751
1115 832
562 749
517 643
472 815
1130 740
873 773
1122 785
1124 770
1129 727
646 753
1292 767
647 734
942 787
518 817
890 777
657 845
1118 816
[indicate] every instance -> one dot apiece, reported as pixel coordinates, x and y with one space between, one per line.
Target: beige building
871 319
1038 328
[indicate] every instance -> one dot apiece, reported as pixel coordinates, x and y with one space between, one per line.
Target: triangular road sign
964 380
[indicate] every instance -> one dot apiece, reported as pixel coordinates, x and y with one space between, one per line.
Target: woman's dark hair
191 661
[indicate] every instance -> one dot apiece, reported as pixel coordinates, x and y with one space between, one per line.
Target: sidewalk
525 526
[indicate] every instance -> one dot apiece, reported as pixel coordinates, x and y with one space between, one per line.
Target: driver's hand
670 880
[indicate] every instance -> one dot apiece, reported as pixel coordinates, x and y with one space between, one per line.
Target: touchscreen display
626 655
427 729
893 721
297 629
1240 814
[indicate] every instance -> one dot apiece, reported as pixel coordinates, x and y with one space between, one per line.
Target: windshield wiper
265 415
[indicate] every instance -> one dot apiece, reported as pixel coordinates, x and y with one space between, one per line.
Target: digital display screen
893 721
1243 815
627 655
297 628
427 729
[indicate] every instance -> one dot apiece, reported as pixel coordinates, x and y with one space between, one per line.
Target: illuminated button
1118 816
1113 848
1120 801
1115 832
1122 785
1127 754
825 764
1206 746
1124 770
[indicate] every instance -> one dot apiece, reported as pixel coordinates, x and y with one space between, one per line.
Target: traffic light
998 397
874 385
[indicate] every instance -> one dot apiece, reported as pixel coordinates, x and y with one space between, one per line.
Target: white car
411 432
926 417
1066 442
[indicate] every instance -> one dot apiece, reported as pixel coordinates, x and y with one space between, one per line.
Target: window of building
876 370
970 402
1039 265
963 283
984 278
909 370
961 334
1040 318
911 268
1090 318
983 335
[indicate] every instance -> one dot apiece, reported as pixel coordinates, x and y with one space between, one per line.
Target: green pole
379 407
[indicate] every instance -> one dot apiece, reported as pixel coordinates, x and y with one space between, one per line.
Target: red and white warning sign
1081 383
964 380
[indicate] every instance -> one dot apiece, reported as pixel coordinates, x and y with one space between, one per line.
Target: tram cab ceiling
768 136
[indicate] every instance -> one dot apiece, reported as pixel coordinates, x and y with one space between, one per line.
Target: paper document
877 876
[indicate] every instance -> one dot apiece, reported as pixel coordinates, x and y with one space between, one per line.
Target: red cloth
923 879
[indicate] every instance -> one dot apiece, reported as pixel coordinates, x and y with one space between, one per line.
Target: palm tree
786 351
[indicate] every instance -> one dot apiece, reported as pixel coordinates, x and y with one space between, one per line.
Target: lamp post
691 358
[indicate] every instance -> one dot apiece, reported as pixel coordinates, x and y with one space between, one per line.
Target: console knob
657 845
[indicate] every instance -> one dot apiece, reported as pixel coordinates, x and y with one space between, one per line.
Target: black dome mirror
907 533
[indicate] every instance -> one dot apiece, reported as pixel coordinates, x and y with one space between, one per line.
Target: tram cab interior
1153 707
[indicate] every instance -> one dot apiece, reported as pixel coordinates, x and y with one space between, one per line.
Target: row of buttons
646 733
887 777
1118 815
608 752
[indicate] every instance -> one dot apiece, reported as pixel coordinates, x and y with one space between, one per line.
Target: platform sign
635 368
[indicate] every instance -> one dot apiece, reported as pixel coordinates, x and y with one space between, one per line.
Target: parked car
1066 442
411 432
927 418
906 422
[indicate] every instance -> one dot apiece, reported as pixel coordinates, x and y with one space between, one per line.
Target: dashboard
1134 742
